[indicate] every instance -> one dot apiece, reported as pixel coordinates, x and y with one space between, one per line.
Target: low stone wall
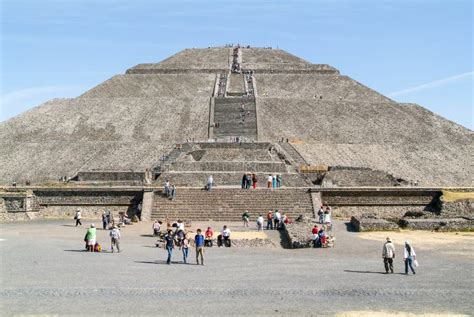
361 223
450 224
298 234
87 211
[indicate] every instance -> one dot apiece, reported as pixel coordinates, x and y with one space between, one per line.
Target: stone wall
371 223
110 176
450 224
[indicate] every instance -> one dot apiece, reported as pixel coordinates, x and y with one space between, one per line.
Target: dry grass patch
450 197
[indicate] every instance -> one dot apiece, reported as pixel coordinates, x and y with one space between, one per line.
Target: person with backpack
388 254
169 245
115 239
409 256
199 243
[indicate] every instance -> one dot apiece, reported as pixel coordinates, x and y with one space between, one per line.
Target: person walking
115 239
91 237
77 217
409 256
199 243
169 245
388 254
185 248
245 218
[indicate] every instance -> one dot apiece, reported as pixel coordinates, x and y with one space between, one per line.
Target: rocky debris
299 234
370 222
448 224
457 209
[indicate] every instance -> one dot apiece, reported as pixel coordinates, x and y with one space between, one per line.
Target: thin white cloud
432 84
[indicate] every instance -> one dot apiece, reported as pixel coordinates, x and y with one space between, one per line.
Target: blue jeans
409 262
270 224
185 254
170 252
209 186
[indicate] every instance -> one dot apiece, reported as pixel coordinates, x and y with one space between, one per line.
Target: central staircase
228 204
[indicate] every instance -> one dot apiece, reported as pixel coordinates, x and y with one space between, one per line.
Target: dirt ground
44 271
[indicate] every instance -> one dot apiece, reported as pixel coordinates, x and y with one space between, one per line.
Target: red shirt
209 233
315 230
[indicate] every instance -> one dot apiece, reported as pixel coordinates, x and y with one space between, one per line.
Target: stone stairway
233 120
228 204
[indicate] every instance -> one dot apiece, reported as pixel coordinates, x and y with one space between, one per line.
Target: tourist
185 248
115 239
105 221
156 228
260 223
180 225
209 237
248 181
276 220
224 238
321 215
210 181
77 217
173 192
167 188
254 181
327 216
319 238
246 218
388 254
91 237
409 256
139 211
199 243
269 181
284 220
315 232
244 181
270 220
274 181
278 180
169 245
179 237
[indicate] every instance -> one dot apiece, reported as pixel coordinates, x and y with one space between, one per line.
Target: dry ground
44 271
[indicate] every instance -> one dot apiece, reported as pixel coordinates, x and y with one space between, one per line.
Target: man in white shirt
210 181
388 254
260 223
276 219
224 238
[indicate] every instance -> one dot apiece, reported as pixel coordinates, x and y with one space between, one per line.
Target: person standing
105 221
91 237
254 181
321 215
269 181
156 228
388 254
77 217
276 220
199 243
248 181
270 220
244 181
260 223
210 181
245 218
115 239
274 181
409 256
279 180
185 248
169 245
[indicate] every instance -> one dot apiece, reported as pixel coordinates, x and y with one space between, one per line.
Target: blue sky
412 51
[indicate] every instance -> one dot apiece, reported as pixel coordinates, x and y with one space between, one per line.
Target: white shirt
115 233
270 178
260 220
210 180
277 215
78 214
226 232
181 226
405 252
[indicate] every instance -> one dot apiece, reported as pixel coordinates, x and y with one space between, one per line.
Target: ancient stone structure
224 112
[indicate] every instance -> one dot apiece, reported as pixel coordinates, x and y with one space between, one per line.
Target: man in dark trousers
388 254
169 245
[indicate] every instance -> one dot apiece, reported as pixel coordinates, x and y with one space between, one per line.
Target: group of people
274 181
169 190
92 245
324 215
388 255
275 220
180 238
249 180
321 238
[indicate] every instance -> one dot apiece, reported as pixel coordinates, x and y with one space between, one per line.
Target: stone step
266 167
229 204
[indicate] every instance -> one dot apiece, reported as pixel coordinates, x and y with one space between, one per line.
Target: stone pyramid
128 122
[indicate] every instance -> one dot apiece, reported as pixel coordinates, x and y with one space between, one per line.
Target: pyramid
130 121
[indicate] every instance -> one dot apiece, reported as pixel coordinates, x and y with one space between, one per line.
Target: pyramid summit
132 121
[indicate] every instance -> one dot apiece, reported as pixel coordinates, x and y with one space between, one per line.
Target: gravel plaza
44 271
